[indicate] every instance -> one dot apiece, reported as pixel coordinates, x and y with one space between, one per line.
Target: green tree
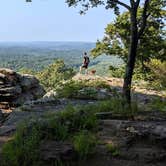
151 45
54 74
137 27
116 40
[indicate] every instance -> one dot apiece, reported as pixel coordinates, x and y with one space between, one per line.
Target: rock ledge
15 89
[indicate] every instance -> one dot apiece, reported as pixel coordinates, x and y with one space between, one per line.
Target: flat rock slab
56 151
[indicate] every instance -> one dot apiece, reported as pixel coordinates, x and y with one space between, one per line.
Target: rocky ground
139 143
140 140
139 91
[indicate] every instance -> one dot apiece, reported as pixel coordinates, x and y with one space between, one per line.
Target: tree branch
123 4
144 18
132 3
137 2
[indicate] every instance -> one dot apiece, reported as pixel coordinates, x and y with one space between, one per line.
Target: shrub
69 89
158 73
157 104
117 72
81 89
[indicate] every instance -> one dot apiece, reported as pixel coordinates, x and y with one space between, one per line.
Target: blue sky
50 20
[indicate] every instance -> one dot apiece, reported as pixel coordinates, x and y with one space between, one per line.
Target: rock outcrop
15 89
1 116
139 90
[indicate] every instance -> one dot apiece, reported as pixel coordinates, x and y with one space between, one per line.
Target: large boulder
16 89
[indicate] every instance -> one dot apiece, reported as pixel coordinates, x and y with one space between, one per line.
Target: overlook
83 83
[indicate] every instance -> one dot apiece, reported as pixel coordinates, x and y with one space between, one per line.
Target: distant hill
48 45
37 55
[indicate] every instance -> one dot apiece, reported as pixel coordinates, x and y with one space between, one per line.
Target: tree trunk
131 57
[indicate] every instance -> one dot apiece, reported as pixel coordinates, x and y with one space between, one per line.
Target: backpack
87 60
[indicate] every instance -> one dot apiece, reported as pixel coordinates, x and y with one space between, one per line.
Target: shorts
85 66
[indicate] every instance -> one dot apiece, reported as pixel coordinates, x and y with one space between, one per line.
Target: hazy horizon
51 41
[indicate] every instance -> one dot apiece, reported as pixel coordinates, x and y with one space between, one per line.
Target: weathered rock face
15 89
1 116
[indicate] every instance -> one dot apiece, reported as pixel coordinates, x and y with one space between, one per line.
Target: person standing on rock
85 63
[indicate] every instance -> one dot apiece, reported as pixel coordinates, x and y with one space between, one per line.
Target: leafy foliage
157 74
117 38
138 72
88 89
54 74
157 104
117 72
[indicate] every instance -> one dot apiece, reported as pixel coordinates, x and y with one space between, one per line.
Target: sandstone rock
6 71
2 77
15 89
10 76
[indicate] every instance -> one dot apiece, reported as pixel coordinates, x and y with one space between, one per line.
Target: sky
50 20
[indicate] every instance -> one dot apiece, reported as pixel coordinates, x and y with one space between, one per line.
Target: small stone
50 94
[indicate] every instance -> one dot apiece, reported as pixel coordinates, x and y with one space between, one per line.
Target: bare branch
144 18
